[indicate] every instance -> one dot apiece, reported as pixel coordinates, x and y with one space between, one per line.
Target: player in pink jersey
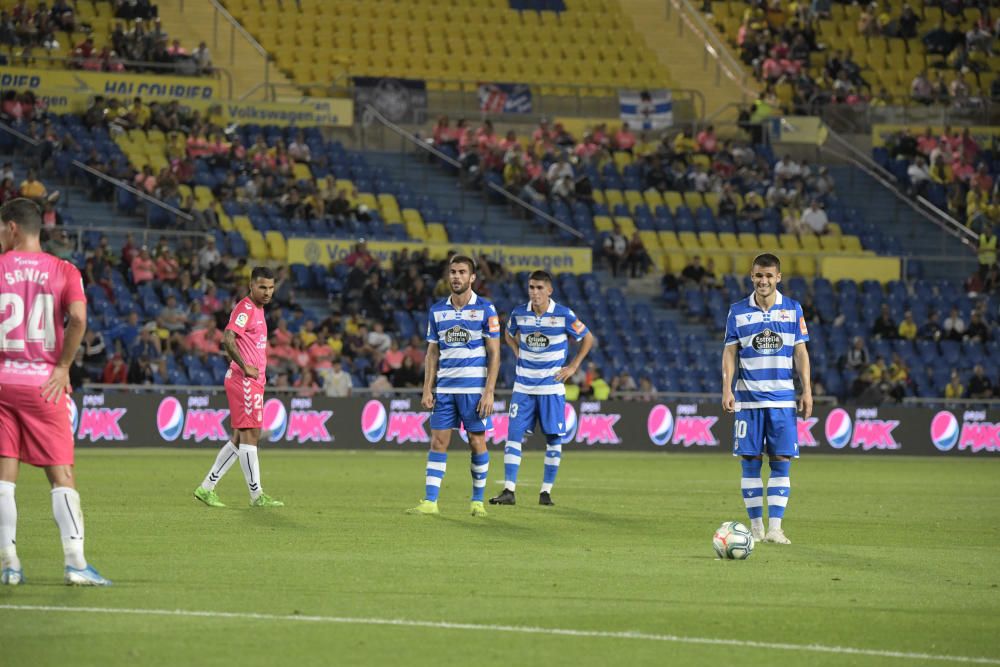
245 341
37 292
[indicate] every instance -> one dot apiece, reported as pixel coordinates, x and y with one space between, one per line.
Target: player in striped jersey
463 354
538 332
765 334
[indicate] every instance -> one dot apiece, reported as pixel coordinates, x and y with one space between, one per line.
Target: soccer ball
733 540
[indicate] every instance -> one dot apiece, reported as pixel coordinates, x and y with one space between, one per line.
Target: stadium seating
321 40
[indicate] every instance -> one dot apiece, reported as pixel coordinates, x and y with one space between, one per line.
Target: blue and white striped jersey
543 344
766 341
460 332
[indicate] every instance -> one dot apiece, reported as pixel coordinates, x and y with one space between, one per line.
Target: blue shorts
450 410
771 430
528 409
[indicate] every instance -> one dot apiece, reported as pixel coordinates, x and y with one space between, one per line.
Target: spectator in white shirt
919 176
299 149
208 256
787 168
379 339
560 178
814 219
336 380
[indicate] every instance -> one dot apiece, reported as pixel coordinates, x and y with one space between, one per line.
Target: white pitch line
518 629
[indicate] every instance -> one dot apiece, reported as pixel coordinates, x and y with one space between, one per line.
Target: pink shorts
246 401
34 431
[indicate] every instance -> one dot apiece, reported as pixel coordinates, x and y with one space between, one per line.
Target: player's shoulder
484 303
788 303
440 304
740 306
562 309
520 309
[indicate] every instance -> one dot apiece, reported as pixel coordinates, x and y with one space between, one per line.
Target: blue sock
480 466
753 488
511 464
553 457
779 488
437 463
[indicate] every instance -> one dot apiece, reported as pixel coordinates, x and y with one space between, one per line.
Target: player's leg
224 460
444 418
552 415
521 417
479 465
250 464
748 437
11 573
782 446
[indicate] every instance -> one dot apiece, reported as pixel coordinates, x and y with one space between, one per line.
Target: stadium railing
150 201
221 19
145 236
861 118
407 139
689 18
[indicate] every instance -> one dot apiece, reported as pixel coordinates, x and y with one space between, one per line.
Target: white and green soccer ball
733 541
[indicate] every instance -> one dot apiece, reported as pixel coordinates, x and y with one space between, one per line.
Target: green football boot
428 507
264 500
210 498
477 508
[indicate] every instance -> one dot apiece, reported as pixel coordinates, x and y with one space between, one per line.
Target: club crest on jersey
241 320
457 336
536 341
767 342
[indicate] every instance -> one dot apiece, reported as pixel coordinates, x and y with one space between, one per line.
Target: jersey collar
752 300
548 311
472 300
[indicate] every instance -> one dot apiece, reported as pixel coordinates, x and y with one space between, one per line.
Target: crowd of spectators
779 41
137 42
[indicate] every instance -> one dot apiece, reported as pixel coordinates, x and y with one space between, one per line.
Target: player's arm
728 373
586 345
229 345
511 343
485 407
430 373
801 357
76 325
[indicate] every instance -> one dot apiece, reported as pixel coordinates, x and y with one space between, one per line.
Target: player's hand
565 373
485 407
251 372
806 405
427 401
57 385
729 402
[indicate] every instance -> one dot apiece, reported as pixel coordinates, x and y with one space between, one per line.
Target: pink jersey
248 323
36 290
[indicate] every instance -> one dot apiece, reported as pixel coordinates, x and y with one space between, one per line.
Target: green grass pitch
888 555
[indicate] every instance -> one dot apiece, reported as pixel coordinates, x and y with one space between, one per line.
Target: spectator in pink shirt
393 358
927 142
624 139
306 384
210 302
707 141
542 132
146 180
168 269
143 267
207 338
962 170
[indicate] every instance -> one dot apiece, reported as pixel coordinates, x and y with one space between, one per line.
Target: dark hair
462 259
25 213
543 276
767 260
261 272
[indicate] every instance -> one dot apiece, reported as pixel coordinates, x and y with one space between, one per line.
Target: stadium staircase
496 220
683 55
899 222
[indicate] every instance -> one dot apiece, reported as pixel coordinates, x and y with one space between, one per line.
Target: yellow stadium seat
768 242
626 224
728 241
669 240
693 200
834 229
653 198
722 263
805 265
277 248
708 240
809 242
651 241
790 242
226 223
689 240
851 243
673 200
242 224
676 260
747 241
301 172
603 223
436 233
614 197
830 243
712 202
633 198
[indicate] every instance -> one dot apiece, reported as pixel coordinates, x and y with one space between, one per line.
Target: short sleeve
431 334
241 318
512 324
575 326
732 335
801 330
491 322
72 286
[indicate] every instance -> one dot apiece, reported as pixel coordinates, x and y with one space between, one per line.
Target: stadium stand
888 53
501 40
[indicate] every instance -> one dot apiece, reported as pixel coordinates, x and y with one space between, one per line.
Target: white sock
223 462
8 527
773 524
757 524
69 517
546 488
251 469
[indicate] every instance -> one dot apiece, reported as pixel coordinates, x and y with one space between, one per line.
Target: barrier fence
193 420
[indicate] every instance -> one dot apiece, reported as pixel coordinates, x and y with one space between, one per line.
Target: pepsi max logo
275 419
457 336
74 414
944 430
767 342
374 421
660 425
536 341
170 419
571 421
838 428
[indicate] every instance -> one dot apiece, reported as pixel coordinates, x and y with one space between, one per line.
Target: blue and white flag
646 109
504 98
